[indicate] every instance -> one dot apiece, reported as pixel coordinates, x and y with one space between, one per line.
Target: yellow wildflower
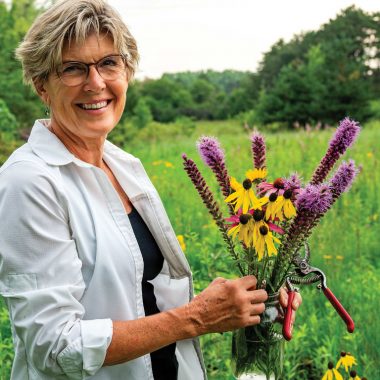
244 229
243 196
255 174
369 154
273 209
339 257
181 241
354 376
346 360
285 204
332 373
169 164
264 239
327 257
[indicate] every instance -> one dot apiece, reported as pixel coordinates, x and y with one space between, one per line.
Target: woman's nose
94 80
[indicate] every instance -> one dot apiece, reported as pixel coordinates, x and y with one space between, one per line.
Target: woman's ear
41 91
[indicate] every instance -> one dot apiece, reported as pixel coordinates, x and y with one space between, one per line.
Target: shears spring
304 274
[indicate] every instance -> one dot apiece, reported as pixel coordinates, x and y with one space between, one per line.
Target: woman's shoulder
23 167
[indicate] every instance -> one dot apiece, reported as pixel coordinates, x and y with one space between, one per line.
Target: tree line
317 77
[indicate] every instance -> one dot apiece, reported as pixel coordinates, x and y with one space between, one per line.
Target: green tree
142 115
324 75
14 23
8 122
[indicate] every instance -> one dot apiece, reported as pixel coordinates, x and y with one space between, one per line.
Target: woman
90 268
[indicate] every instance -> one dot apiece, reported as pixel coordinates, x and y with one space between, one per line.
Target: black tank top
164 361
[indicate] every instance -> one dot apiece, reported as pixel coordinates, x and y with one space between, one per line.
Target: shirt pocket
20 282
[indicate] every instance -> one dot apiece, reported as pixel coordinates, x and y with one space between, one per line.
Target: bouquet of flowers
270 220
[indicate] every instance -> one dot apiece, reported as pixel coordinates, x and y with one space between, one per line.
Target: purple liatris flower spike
314 199
258 150
344 137
293 183
209 201
343 178
213 156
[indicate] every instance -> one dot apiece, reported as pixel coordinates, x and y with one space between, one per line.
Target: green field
345 245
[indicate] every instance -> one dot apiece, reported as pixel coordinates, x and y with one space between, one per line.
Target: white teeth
94 106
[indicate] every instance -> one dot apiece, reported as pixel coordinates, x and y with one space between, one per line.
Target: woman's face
69 106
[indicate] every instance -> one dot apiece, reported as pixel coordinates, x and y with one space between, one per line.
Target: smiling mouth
94 106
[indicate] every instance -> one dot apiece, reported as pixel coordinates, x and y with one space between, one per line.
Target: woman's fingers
228 304
284 299
258 296
257 308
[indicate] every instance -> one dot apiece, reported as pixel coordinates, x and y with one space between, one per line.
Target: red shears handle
340 309
287 326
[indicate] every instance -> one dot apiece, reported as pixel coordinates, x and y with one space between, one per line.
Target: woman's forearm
132 339
223 306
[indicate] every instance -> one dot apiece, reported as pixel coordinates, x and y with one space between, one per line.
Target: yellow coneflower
285 204
354 376
273 208
256 174
243 196
264 239
346 360
332 373
244 229
257 222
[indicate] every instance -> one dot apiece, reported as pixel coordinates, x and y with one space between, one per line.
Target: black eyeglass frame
88 65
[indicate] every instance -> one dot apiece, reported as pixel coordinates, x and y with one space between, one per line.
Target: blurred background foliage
317 77
301 88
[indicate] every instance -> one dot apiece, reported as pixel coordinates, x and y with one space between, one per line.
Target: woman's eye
109 62
73 69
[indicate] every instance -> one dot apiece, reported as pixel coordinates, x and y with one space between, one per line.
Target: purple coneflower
343 178
258 150
344 137
213 156
268 188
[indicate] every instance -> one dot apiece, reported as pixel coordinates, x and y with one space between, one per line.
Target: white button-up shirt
70 263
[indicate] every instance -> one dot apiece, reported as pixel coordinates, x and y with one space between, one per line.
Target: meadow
345 245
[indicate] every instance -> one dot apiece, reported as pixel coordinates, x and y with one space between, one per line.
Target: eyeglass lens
76 73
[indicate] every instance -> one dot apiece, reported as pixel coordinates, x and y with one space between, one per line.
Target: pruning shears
306 274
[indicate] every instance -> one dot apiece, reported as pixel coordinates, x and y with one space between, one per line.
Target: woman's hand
227 305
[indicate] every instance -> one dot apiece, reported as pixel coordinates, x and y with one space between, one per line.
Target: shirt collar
49 147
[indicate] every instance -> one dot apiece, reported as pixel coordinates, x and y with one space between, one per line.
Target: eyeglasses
74 73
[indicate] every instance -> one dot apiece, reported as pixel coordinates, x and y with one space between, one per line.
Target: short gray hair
72 20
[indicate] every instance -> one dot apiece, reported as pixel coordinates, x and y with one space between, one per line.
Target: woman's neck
89 150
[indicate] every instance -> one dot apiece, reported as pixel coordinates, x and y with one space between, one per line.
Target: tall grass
345 245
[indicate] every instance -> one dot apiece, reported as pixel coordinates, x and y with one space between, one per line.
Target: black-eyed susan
243 195
263 242
354 375
257 222
243 229
273 208
346 360
285 204
332 373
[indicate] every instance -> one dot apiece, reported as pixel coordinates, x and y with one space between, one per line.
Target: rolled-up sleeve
41 278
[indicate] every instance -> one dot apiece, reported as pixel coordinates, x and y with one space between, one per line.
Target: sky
193 35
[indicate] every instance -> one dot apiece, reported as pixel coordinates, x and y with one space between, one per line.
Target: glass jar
258 351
